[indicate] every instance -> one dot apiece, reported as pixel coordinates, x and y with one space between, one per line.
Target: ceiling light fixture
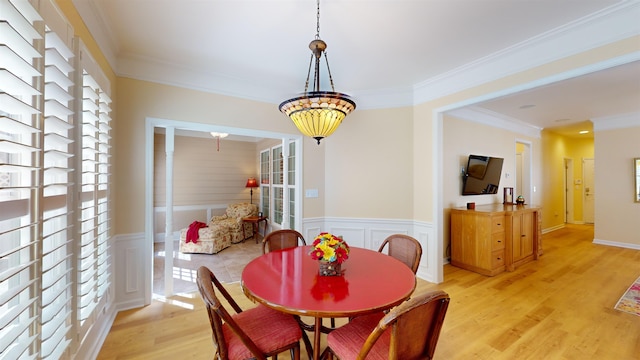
219 136
584 131
318 113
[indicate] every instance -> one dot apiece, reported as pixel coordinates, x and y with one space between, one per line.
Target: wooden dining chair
409 331
404 248
282 239
257 333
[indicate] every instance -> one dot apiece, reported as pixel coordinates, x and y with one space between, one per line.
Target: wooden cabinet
493 238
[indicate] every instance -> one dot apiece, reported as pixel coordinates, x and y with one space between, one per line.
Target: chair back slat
404 248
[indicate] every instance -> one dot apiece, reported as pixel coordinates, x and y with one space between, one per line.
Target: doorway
523 170
170 233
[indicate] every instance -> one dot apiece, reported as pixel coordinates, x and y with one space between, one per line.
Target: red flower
342 254
316 254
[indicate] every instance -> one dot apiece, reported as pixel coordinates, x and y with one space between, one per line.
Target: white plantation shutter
58 215
55 271
88 230
104 213
291 183
20 172
94 275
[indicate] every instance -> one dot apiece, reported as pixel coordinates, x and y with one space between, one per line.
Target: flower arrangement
330 248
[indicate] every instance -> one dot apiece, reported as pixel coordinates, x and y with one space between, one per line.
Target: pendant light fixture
218 136
318 113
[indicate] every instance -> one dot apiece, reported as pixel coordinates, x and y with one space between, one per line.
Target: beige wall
202 176
617 215
368 166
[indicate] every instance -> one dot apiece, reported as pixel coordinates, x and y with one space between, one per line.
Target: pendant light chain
318 21
329 71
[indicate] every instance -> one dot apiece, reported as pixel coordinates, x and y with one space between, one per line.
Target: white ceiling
383 53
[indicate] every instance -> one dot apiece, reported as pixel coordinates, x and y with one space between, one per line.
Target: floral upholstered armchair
221 231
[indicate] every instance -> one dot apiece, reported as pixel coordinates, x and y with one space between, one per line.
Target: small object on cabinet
520 200
508 196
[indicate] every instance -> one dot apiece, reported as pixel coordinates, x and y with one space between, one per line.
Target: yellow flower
328 251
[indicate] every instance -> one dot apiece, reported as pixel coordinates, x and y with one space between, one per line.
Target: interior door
588 167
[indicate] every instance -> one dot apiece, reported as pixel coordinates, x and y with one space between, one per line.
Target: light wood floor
559 307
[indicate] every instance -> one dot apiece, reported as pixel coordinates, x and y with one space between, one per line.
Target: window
265 176
20 173
93 266
276 186
58 214
292 182
41 272
273 185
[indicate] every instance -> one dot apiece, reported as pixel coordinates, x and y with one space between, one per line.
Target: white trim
488 117
616 121
438 199
554 228
617 244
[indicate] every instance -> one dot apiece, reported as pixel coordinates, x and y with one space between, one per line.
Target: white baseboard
617 244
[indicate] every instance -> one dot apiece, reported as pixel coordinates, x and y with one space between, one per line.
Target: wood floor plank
559 307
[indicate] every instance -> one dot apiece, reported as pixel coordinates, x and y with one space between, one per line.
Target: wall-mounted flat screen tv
482 175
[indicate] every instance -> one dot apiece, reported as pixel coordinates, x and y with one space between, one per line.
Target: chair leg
295 353
333 323
307 344
327 354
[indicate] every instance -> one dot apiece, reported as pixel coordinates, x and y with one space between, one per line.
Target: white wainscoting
132 254
370 233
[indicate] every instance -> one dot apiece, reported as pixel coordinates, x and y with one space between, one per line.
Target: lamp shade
251 183
318 114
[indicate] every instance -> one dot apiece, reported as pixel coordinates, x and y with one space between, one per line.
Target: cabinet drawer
497 259
497 241
497 224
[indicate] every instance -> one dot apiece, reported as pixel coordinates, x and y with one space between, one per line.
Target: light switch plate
311 193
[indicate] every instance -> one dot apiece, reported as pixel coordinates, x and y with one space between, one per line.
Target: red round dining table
288 281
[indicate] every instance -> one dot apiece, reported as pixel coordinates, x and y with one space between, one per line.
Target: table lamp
251 183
